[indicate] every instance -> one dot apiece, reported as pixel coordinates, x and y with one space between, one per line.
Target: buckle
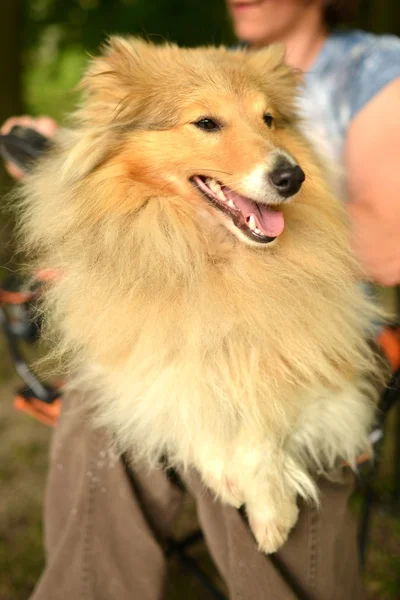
46 412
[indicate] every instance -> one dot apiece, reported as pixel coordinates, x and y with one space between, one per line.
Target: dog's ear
269 58
107 85
112 78
281 80
123 87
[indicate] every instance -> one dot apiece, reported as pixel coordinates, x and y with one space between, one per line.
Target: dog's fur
244 361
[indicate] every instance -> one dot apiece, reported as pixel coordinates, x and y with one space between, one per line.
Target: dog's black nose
287 179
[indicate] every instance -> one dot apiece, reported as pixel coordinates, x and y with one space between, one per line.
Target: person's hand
44 125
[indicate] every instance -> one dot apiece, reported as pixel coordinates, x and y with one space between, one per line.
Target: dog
207 293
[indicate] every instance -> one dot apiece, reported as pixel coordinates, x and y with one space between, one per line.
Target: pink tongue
269 221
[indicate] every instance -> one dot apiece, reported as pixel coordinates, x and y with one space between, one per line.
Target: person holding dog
103 535
352 88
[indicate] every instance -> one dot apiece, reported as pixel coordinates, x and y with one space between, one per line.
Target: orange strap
389 341
47 413
7 297
363 458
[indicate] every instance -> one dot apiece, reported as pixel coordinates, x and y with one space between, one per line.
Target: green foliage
50 86
61 33
88 22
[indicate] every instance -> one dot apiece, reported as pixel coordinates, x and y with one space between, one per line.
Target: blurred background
44 45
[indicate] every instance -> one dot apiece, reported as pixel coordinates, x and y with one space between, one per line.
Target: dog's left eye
207 124
268 120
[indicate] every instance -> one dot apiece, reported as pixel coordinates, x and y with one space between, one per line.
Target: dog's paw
224 489
271 532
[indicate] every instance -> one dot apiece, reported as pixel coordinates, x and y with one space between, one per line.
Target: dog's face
208 125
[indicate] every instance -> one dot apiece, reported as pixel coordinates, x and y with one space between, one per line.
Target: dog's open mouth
259 222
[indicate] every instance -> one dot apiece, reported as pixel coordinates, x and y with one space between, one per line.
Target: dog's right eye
207 124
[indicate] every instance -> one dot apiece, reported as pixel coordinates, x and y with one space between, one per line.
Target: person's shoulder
357 47
360 46
368 63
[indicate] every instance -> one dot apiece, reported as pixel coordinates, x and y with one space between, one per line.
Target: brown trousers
100 545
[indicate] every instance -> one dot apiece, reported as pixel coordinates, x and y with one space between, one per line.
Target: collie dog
206 292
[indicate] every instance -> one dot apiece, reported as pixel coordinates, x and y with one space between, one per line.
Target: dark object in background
341 12
21 146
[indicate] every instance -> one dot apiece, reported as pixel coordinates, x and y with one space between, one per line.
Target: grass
23 465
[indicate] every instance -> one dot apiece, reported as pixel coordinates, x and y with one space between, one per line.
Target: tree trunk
10 100
10 59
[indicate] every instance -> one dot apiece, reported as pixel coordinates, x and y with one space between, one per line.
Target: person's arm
44 125
373 171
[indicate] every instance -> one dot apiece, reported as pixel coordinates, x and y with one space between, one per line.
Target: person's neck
303 42
303 47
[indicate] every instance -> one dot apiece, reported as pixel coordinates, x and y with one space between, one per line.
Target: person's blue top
351 68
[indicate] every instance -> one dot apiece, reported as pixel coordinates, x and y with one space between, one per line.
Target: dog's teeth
256 230
214 186
217 189
252 223
221 195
